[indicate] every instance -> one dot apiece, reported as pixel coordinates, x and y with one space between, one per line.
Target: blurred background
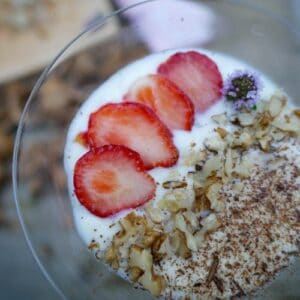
31 33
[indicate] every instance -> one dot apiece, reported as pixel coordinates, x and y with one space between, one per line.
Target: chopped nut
275 105
191 159
191 219
154 213
228 166
135 273
132 226
243 169
174 184
265 143
261 132
149 237
195 157
111 257
179 245
287 123
210 223
245 119
221 119
201 201
244 140
222 132
214 143
161 248
176 200
265 119
277 135
214 197
181 224
199 237
143 260
212 164
202 155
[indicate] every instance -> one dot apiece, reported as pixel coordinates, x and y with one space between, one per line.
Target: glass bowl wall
240 29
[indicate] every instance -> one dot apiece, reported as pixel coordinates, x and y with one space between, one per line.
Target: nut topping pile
232 222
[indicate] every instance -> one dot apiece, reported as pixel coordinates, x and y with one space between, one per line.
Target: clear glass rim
47 70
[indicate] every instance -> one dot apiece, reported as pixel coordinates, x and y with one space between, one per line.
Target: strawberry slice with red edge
170 103
196 75
135 126
110 179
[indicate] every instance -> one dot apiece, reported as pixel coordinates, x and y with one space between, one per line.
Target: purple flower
243 88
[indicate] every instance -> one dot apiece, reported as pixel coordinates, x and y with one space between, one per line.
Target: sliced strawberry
136 126
170 104
197 75
110 179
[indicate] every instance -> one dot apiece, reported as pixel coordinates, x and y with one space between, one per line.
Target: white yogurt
102 230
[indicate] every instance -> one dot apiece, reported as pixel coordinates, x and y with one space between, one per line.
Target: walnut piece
181 225
141 269
201 202
178 244
176 200
245 119
213 195
244 168
275 105
220 119
210 223
174 184
215 143
221 132
156 215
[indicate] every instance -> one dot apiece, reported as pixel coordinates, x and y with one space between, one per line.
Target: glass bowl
239 29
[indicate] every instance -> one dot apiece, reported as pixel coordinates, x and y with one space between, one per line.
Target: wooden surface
27 51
